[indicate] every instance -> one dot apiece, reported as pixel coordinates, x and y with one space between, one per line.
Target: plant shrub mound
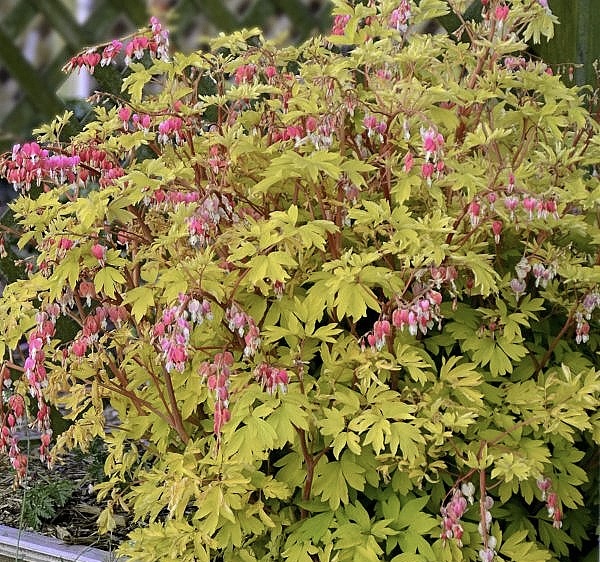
343 296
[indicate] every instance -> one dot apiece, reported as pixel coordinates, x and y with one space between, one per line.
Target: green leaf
333 478
408 438
106 279
173 282
287 418
270 267
518 549
298 553
409 557
141 299
378 433
486 277
312 529
332 423
326 333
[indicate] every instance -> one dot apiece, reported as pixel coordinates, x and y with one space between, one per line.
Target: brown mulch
75 523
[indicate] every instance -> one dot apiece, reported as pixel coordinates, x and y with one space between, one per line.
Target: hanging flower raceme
433 150
173 330
244 326
217 374
170 130
87 60
271 378
37 378
155 43
452 513
31 164
400 16
488 552
375 128
420 315
110 52
339 24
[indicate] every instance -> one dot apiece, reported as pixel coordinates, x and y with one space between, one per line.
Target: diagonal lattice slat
99 24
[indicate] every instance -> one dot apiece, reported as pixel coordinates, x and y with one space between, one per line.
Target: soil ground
73 523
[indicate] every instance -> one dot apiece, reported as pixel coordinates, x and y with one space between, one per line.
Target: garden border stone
26 546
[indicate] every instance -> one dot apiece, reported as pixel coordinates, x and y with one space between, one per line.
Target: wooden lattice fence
38 36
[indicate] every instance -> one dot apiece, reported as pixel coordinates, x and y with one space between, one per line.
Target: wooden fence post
576 40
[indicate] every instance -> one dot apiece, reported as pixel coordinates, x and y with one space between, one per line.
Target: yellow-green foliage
393 242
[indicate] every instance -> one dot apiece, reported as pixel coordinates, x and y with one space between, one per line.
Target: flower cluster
103 318
444 275
339 24
474 212
89 59
202 225
590 302
9 443
173 333
542 274
506 203
244 74
156 43
244 326
30 164
170 129
420 315
501 12
199 311
173 330
533 207
162 198
487 553
271 378
218 159
105 166
322 135
453 511
433 149
26 166
374 127
400 16
582 327
217 376
381 331
552 501
514 63
205 218
37 377
139 122
110 52
99 252
136 48
160 37
398 19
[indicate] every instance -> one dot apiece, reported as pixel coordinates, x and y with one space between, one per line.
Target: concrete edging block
33 547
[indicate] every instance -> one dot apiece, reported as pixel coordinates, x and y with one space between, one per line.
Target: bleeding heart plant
336 293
